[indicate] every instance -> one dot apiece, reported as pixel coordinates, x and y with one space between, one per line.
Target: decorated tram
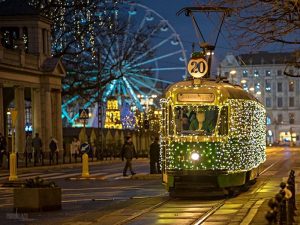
212 134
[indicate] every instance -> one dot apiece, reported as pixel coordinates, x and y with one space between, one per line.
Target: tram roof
230 91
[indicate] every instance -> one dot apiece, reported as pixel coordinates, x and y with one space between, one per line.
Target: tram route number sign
193 97
83 114
198 67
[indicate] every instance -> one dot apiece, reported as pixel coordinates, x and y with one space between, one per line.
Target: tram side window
223 128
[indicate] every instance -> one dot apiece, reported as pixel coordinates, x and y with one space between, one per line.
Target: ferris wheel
145 71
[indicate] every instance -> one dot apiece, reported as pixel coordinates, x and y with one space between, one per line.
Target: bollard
12 168
85 165
271 217
283 214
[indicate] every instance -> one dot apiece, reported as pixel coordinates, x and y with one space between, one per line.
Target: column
57 121
1 110
36 111
20 123
47 117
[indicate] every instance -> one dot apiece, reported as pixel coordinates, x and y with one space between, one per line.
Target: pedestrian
37 148
154 156
28 147
2 148
53 149
75 146
128 152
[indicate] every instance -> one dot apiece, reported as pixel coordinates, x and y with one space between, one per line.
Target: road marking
251 214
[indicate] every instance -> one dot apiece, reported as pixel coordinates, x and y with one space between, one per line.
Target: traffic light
146 124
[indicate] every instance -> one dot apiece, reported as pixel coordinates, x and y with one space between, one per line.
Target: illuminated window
268 73
256 73
245 87
245 73
268 120
268 86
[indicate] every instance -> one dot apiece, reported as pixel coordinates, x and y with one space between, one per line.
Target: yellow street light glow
195 156
232 72
243 81
258 93
251 89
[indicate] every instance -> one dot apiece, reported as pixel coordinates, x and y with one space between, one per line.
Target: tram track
205 215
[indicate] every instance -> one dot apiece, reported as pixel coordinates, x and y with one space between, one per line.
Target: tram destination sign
193 97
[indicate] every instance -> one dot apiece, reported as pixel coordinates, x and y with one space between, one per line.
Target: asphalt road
109 198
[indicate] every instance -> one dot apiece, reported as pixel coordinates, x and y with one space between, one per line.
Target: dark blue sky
183 24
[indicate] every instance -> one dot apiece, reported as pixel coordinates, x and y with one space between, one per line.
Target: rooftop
265 58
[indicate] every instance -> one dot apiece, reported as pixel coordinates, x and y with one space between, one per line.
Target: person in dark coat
128 152
37 148
154 156
2 148
53 149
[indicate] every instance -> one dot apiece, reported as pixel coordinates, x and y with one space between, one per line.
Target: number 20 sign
198 67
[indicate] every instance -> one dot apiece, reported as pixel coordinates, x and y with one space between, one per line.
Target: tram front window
200 120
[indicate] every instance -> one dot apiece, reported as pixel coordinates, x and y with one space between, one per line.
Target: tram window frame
170 121
223 122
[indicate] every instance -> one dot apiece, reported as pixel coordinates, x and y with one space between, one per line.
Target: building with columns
30 78
262 74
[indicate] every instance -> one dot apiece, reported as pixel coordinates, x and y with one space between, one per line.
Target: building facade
30 78
263 74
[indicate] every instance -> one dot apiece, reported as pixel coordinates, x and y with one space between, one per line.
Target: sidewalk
260 219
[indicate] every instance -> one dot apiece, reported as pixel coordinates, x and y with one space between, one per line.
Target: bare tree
256 23
84 35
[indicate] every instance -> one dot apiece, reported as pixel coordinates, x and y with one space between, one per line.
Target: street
110 198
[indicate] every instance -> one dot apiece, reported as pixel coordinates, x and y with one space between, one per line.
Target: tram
212 136
213 133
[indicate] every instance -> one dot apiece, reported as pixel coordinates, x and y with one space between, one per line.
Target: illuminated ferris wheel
141 72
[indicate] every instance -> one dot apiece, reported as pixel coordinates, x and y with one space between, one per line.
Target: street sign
84 147
83 114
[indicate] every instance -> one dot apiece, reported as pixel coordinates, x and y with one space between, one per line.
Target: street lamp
232 74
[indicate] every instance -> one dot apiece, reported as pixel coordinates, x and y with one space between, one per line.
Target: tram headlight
195 156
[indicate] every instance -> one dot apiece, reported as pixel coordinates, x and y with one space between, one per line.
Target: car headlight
195 156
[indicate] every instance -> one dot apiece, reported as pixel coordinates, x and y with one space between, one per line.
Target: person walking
28 147
2 148
53 150
128 152
37 148
154 156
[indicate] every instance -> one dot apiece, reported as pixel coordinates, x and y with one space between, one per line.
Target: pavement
260 216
